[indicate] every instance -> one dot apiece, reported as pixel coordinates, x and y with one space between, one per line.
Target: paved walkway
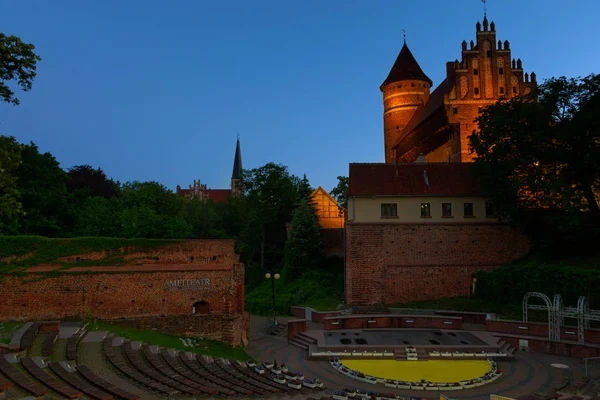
529 373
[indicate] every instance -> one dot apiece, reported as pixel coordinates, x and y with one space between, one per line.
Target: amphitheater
60 359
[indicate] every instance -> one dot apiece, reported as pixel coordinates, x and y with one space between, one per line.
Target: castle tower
404 90
237 186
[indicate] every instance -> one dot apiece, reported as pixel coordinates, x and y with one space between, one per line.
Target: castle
419 225
200 191
438 125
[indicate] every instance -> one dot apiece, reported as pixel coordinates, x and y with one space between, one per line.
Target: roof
433 179
321 190
435 102
219 195
406 67
237 162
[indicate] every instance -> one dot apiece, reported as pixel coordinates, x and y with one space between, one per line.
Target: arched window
200 307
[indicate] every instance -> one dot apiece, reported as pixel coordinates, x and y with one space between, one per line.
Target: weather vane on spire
484 7
404 32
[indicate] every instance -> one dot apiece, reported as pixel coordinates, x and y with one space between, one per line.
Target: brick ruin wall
141 295
393 263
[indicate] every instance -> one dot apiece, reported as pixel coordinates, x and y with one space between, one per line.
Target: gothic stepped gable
438 125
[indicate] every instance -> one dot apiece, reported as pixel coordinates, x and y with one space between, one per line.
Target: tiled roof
435 102
219 195
406 68
434 179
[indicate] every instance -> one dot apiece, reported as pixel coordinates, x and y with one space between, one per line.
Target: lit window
425 210
446 209
468 209
490 210
389 210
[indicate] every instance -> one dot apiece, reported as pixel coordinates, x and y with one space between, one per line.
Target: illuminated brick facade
438 124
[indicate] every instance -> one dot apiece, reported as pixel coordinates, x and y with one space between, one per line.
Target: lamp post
273 277
341 214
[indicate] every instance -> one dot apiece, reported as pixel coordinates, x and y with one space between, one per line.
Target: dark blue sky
158 90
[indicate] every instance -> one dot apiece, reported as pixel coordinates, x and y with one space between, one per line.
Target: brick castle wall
392 321
391 263
150 295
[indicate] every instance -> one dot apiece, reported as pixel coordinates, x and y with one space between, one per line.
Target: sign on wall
190 285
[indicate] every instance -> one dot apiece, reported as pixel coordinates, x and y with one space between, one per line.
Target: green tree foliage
18 63
304 189
304 248
340 191
42 185
543 151
94 181
10 159
271 197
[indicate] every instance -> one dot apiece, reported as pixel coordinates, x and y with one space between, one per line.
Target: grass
202 346
6 331
475 304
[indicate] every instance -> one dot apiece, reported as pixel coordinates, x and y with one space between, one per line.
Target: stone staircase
506 348
302 340
280 330
227 330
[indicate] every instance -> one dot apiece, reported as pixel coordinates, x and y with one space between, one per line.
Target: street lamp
273 277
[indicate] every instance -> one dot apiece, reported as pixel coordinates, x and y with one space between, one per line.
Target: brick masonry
392 263
540 329
294 327
141 295
395 322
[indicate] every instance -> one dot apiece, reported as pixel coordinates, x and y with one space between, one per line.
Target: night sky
159 90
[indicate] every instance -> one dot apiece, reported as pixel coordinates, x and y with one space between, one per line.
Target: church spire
237 162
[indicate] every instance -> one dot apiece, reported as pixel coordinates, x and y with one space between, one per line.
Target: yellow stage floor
413 371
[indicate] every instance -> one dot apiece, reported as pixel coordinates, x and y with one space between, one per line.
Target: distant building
331 215
200 191
438 124
332 218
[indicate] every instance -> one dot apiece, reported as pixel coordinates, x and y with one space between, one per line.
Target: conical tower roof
406 68
237 162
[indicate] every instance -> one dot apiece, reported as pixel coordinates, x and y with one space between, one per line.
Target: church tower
404 90
237 186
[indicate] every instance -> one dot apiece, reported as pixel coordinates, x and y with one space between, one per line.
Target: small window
489 54
389 210
490 210
475 71
514 90
446 209
476 90
468 209
425 210
500 71
454 110
501 90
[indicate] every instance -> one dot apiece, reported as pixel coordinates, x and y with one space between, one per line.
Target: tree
304 189
10 159
340 191
17 62
85 177
42 185
542 151
271 197
304 248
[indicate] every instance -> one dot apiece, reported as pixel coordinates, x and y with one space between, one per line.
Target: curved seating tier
74 380
109 387
116 358
72 345
202 377
29 335
47 379
21 379
48 345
